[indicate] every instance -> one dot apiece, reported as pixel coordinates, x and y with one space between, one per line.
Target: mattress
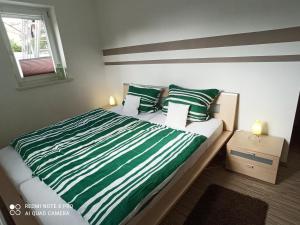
14 166
212 129
18 171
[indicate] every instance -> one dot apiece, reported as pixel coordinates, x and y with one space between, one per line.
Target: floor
283 198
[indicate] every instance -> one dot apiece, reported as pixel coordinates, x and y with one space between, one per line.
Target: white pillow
177 115
131 105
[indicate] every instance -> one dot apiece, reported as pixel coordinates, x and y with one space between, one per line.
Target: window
33 43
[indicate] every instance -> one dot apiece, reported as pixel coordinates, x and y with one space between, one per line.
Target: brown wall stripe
275 58
253 38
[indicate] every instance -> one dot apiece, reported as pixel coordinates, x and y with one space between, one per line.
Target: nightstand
254 156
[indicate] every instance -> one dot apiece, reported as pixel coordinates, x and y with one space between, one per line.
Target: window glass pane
30 45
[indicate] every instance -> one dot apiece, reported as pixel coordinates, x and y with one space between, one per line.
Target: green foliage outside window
15 47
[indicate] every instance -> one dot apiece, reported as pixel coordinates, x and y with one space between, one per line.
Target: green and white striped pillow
149 97
199 101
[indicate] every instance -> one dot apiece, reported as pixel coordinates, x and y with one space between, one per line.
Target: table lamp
257 129
112 101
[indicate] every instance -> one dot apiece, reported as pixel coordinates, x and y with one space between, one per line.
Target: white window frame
47 14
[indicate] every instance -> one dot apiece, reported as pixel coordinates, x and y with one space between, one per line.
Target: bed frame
225 108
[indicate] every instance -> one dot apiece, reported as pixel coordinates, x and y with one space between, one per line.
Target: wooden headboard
225 107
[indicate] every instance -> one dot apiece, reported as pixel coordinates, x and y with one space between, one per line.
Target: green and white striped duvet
103 163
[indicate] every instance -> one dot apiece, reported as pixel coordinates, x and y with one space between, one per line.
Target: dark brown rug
222 206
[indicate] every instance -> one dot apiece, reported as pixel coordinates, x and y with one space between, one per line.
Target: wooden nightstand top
264 144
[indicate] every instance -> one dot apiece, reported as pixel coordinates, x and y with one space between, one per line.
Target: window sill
25 86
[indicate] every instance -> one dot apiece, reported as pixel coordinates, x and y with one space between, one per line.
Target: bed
159 202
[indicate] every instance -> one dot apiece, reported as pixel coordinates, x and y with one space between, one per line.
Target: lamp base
254 137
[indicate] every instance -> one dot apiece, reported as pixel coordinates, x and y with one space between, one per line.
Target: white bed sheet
142 116
212 129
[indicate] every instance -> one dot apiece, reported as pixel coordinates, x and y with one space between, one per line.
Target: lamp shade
257 127
112 100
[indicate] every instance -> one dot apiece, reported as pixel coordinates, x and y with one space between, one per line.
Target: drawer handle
250 166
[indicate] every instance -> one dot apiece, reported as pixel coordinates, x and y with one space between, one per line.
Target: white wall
22 111
268 91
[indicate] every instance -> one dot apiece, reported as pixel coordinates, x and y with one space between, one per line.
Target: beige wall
22 111
268 91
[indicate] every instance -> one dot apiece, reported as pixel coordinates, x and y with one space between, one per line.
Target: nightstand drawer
251 156
259 159
250 169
